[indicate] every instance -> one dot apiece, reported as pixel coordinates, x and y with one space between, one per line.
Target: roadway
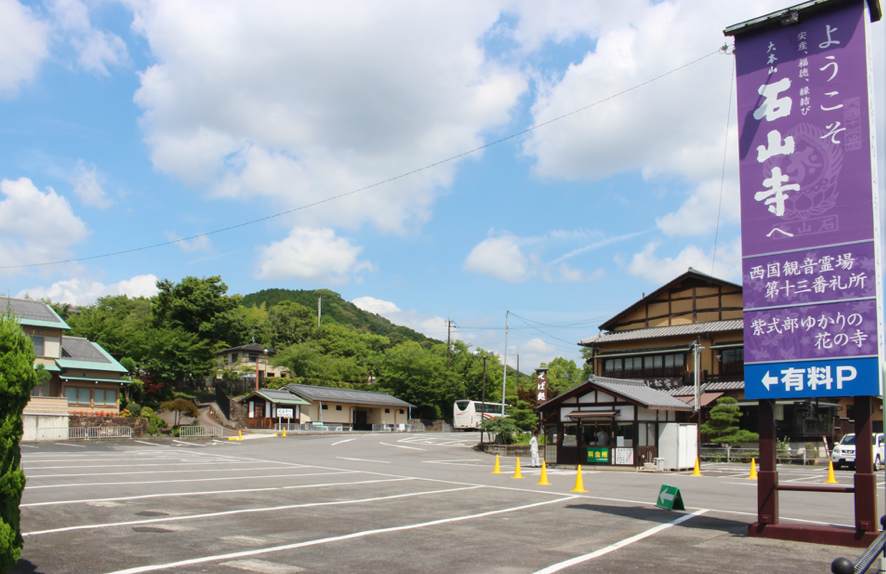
394 503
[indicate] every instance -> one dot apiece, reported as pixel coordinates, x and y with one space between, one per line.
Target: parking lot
390 503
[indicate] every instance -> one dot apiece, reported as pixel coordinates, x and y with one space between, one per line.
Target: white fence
195 431
322 427
65 433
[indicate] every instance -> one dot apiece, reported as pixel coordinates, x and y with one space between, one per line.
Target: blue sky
134 123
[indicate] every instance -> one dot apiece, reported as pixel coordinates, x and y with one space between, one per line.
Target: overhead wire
368 187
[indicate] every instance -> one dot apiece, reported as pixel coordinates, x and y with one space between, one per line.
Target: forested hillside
339 311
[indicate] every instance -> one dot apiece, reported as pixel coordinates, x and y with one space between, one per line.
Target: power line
377 184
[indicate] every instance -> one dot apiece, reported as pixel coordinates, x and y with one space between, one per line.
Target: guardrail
289 427
196 431
736 454
398 428
445 427
66 433
322 427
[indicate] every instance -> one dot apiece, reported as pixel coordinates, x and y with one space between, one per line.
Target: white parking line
402 446
211 492
154 567
245 511
261 476
343 441
150 443
617 545
188 443
152 472
364 460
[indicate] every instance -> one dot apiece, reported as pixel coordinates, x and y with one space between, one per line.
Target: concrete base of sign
814 534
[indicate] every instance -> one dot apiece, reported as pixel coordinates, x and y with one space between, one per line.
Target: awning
706 398
728 345
51 367
579 415
95 380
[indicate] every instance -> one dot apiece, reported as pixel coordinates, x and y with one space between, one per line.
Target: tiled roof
250 348
80 349
348 396
638 391
632 389
279 396
672 331
711 387
32 312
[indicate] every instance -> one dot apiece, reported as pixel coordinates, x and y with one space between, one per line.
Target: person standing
533 449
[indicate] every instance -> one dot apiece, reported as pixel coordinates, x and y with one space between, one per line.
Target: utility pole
504 376
319 309
483 399
448 345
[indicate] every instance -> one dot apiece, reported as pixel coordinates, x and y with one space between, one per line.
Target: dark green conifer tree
17 378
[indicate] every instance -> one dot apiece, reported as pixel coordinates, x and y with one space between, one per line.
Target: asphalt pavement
393 503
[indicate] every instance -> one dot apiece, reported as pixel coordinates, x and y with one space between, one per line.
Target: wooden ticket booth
606 421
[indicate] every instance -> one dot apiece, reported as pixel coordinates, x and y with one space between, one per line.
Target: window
325 407
39 345
233 357
338 407
732 361
105 397
77 396
645 366
401 411
387 411
41 390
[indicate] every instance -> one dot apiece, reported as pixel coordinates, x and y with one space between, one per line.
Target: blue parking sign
843 377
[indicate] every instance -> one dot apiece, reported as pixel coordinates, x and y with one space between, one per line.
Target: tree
522 414
504 429
722 423
587 370
418 376
181 407
562 376
17 378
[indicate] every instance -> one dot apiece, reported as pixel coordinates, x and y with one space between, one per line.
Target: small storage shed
606 421
263 404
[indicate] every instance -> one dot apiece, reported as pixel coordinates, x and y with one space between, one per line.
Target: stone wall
239 412
139 426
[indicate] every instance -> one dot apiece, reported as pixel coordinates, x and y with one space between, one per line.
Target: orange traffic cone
697 471
497 469
579 484
831 478
544 475
517 471
753 475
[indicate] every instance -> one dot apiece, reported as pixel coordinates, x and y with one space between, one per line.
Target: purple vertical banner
810 237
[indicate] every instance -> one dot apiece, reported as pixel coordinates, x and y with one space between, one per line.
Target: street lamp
483 399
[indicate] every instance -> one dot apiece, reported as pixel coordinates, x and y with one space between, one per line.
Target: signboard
813 318
599 455
541 384
624 456
284 413
669 498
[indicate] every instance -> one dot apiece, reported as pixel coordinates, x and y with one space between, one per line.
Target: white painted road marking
364 460
244 511
617 545
261 476
402 446
343 441
234 555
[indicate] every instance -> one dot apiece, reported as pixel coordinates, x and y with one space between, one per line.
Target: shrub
505 429
17 378
147 412
134 408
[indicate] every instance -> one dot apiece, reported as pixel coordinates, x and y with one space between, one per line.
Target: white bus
467 415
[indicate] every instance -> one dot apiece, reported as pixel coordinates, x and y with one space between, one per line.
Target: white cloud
85 292
95 48
314 255
87 187
504 256
23 46
673 129
35 226
647 265
500 257
430 325
700 213
300 101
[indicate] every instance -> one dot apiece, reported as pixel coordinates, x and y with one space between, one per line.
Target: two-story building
695 323
249 362
84 380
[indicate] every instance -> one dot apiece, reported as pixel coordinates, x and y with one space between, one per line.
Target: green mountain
339 311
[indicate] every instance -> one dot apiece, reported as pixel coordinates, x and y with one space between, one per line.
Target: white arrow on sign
665 496
769 380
